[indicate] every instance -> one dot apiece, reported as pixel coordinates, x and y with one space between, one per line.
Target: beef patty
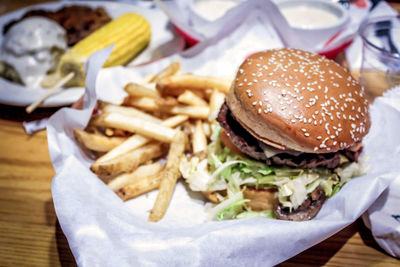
250 146
306 211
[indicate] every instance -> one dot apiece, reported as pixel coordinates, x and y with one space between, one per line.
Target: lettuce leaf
226 170
233 204
233 210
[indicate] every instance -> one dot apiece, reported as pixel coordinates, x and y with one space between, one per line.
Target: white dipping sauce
28 45
308 17
212 10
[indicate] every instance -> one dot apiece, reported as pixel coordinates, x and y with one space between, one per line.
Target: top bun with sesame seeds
300 101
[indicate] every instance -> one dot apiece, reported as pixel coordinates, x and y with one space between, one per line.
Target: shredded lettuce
226 170
337 187
354 169
195 172
234 208
233 204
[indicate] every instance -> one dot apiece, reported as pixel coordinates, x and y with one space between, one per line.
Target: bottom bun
265 199
260 199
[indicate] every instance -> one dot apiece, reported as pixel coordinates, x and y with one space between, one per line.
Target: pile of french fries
140 143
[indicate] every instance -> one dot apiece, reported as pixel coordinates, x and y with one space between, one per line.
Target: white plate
164 42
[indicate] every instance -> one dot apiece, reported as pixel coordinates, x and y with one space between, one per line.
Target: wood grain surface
29 232
31 236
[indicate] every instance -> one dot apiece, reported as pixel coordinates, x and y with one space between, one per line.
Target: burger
289 135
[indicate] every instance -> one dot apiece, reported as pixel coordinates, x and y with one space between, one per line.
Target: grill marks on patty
250 146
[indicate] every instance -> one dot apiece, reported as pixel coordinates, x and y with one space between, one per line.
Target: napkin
32 127
104 231
383 217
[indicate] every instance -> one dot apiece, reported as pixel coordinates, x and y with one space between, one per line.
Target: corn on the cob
130 33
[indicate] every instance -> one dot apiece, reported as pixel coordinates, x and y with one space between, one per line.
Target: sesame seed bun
296 100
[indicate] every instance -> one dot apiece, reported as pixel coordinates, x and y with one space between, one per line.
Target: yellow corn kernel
130 33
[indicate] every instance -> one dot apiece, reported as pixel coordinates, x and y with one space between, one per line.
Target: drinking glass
380 69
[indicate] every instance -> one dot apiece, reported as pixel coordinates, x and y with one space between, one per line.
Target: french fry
199 139
137 140
120 133
207 129
97 142
91 128
194 112
199 93
140 173
177 84
139 187
144 103
166 102
189 98
216 100
187 129
208 93
132 143
140 126
169 176
129 161
111 132
149 79
173 68
129 111
211 195
135 90
108 131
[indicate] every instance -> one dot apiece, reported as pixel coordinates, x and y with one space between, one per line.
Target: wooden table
31 236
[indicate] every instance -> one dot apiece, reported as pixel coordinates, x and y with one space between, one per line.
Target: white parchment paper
183 14
104 231
383 217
